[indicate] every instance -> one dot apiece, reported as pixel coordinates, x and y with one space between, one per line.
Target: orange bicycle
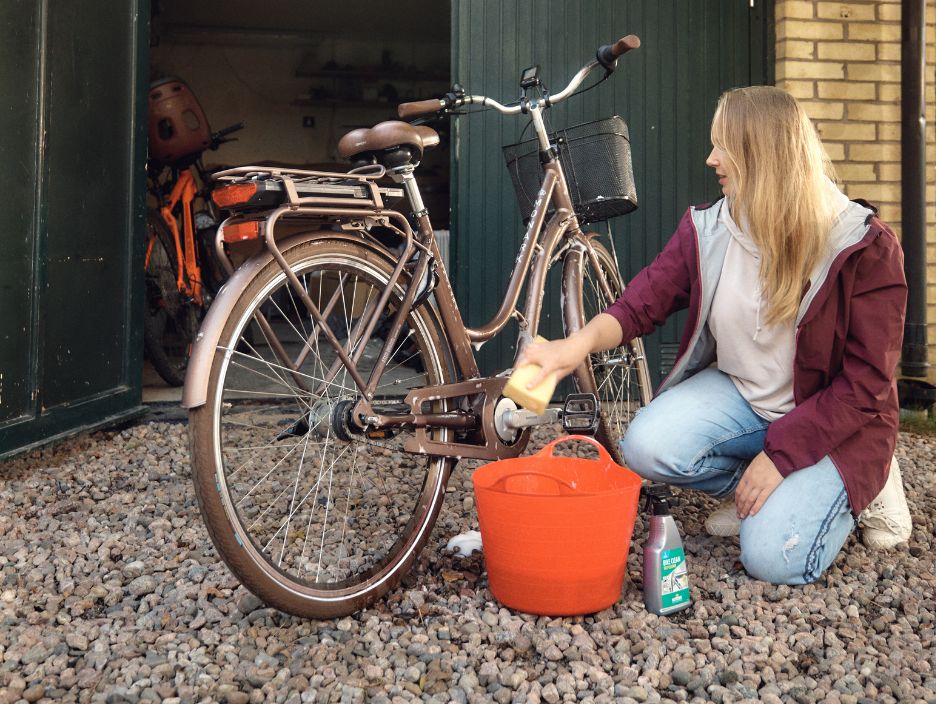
182 273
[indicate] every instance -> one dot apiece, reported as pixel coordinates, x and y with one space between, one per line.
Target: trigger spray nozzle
657 499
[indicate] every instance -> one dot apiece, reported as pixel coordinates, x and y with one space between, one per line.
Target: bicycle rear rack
261 196
297 187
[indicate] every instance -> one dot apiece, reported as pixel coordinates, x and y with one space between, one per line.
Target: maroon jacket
848 341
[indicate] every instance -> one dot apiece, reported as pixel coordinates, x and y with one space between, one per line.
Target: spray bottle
665 577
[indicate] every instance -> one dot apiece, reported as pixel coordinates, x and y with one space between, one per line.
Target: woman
783 393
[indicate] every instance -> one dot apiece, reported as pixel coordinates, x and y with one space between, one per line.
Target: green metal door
666 91
72 151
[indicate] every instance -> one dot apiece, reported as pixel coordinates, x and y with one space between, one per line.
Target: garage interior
301 77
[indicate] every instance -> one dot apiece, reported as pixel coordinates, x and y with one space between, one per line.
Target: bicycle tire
171 319
390 505
619 377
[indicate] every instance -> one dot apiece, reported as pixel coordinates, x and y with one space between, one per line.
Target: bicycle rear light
236 194
240 231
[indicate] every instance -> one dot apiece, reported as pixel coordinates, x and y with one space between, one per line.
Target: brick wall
842 61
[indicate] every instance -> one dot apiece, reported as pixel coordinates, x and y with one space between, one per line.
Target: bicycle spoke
279 366
293 502
273 371
272 469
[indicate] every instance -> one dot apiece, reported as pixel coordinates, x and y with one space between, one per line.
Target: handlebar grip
607 55
228 130
420 107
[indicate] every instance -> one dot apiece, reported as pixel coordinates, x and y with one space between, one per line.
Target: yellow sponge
537 398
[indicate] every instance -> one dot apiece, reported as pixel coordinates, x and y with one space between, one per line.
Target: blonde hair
780 195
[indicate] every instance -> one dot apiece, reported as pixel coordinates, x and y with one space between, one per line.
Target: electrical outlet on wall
308 120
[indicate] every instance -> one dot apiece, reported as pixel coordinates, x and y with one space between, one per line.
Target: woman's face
718 161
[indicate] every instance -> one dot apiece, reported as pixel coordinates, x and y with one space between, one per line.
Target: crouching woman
783 394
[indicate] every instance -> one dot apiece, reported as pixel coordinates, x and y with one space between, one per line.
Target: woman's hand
758 482
559 357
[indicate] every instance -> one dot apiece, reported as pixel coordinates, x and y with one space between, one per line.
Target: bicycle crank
579 414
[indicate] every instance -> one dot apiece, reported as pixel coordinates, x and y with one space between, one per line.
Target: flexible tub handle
501 485
602 452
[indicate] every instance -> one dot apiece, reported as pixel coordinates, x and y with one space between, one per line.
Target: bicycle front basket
596 160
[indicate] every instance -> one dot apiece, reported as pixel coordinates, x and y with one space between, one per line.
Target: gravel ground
111 592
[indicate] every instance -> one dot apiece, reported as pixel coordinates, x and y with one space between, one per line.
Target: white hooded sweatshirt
758 357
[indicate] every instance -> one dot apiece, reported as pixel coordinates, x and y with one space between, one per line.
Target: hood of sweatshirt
740 236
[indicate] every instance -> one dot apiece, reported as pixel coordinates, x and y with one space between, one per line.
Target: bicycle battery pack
265 193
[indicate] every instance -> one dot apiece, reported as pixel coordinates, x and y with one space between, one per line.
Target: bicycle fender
195 390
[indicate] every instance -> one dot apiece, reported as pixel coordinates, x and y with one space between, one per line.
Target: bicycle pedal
381 434
580 414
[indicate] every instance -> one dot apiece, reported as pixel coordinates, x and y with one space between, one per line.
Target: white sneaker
724 521
886 521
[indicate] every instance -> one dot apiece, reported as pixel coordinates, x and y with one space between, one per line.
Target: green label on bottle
675 578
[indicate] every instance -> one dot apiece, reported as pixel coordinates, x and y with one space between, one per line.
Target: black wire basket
596 160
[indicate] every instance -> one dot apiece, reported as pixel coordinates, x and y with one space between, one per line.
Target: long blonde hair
780 194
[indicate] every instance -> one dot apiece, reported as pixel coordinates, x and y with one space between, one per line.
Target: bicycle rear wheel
619 377
313 518
171 318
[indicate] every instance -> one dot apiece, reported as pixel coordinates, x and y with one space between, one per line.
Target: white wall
255 81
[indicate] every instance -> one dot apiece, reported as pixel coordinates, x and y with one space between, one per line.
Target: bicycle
181 271
334 386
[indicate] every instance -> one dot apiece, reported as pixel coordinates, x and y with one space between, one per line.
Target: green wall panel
88 167
19 53
666 91
74 72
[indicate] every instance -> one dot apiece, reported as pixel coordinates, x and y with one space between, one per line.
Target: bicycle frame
542 243
188 276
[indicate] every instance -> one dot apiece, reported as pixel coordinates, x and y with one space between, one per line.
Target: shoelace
876 513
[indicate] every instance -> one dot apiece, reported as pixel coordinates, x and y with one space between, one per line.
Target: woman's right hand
559 357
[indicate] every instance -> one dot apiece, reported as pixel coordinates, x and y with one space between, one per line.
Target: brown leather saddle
392 143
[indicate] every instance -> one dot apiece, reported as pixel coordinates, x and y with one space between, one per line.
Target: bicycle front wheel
619 377
312 517
171 318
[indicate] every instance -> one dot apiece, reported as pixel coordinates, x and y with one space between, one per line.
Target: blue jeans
702 434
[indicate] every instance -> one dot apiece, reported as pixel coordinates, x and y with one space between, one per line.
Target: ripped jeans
701 434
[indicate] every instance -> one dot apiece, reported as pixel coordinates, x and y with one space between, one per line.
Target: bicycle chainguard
580 414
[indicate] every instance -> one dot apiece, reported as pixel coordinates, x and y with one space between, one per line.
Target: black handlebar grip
420 107
608 54
232 128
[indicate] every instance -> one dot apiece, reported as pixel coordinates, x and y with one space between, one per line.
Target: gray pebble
143 585
33 693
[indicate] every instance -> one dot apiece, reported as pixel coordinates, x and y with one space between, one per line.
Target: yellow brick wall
842 61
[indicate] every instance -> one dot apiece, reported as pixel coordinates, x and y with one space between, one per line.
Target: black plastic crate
596 160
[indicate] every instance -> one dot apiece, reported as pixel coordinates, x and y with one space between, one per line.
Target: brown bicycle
333 386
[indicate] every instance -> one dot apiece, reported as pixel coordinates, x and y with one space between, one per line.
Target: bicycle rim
314 519
171 319
619 377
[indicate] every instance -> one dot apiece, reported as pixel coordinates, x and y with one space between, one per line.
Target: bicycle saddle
387 136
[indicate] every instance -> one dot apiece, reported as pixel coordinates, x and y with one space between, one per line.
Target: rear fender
195 391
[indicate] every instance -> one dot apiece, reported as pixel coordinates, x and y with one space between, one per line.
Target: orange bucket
556 530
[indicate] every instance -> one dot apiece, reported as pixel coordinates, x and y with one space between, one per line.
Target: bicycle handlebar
218 138
420 107
228 130
606 56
